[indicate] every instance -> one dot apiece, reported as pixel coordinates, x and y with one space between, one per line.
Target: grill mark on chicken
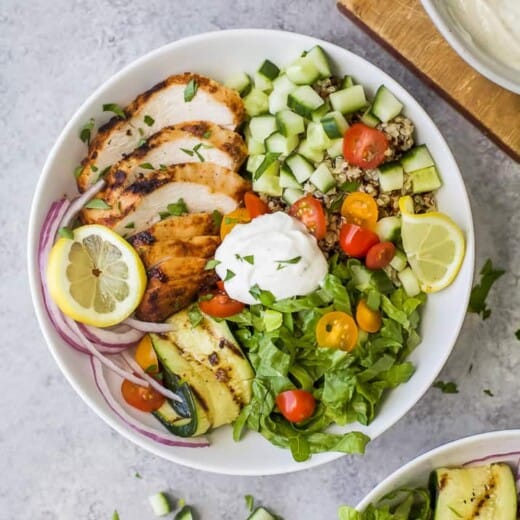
144 185
157 274
144 238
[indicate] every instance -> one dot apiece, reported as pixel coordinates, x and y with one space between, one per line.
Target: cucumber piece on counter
409 282
321 61
481 492
262 127
399 261
160 504
304 100
369 119
323 179
269 70
261 513
386 106
289 123
317 137
300 167
309 152
291 195
425 180
278 143
241 82
334 124
336 148
287 179
391 176
185 513
303 71
388 229
348 100
416 159
256 103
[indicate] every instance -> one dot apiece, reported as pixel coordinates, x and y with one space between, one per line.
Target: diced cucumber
386 106
269 163
269 70
300 167
334 124
317 137
321 61
260 514
240 82
399 261
416 159
254 147
349 99
318 114
347 82
388 229
262 127
278 143
277 101
160 504
425 180
262 83
303 71
256 103
306 149
253 162
323 179
369 119
409 281
391 176
283 84
291 195
289 123
336 148
269 182
287 179
304 101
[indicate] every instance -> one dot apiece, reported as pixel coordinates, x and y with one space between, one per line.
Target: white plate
464 46
416 472
218 55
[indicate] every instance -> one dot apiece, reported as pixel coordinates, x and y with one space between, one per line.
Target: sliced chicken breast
165 104
203 187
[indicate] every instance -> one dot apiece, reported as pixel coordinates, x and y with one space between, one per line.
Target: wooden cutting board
406 31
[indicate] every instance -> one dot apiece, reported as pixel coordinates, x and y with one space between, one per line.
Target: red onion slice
147 326
151 433
495 457
118 337
78 203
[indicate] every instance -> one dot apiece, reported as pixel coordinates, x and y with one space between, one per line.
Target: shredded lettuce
280 341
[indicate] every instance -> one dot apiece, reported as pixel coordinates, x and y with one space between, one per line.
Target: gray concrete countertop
58 460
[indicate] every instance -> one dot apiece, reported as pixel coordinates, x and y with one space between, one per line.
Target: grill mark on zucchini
199 398
483 499
224 343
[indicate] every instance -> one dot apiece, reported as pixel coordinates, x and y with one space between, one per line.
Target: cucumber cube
240 82
336 148
391 176
416 159
262 127
290 123
303 71
287 179
256 103
317 137
309 152
291 195
304 101
300 167
269 70
323 179
278 143
425 180
348 100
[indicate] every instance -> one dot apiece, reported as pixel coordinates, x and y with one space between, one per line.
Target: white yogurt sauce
275 252
493 25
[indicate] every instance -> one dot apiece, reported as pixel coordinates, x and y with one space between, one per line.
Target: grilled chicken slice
203 187
163 105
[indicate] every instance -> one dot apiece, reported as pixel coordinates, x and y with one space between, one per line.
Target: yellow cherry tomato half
337 330
367 319
145 355
361 209
229 221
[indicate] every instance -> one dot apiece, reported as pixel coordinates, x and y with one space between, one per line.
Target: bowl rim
34 278
381 489
464 51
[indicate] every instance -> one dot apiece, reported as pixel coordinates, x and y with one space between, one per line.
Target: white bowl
462 43
218 55
505 444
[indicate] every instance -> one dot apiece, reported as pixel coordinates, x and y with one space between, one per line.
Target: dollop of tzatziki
273 252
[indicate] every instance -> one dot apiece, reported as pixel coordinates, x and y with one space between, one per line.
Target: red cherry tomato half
141 397
356 241
310 211
220 305
380 255
296 405
255 205
364 146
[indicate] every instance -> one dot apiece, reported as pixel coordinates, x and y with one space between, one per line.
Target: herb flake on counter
97 204
517 334
177 208
229 275
487 391
446 387
115 108
479 293
250 502
137 475
85 131
149 120
190 90
115 515
211 264
66 232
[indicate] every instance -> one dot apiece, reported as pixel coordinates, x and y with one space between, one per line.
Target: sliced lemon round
96 277
434 245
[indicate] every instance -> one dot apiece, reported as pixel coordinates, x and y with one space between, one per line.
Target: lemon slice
434 245
96 277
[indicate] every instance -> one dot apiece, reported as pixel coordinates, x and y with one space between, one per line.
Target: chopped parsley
282 264
448 387
85 131
217 218
229 275
477 300
152 369
146 166
66 232
190 90
188 152
97 204
149 120
77 171
250 259
115 108
269 159
103 172
197 153
164 214
130 225
207 134
517 334
194 315
349 186
177 208
211 264
163 167
115 515
250 502
487 391
94 168
141 142
137 475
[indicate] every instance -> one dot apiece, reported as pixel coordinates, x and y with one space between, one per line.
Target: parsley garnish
137 475
250 259
115 108
141 142
217 218
86 129
448 387
149 120
229 275
487 391
211 264
188 152
77 171
477 301
349 186
269 159
264 297
94 168
197 153
294 260
164 214
207 134
115 515
163 167
152 369
97 204
190 90
65 232
517 334
194 315
250 502
103 172
177 208
130 225
146 166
